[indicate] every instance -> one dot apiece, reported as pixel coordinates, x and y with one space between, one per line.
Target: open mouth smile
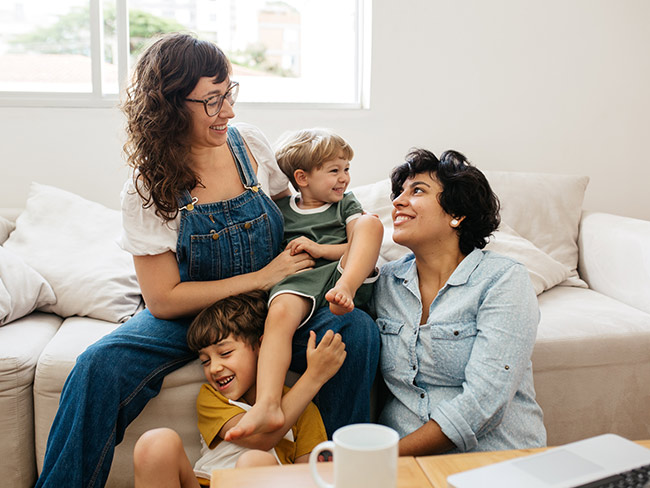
224 382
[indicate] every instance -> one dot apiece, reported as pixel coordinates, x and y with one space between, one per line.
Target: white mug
364 455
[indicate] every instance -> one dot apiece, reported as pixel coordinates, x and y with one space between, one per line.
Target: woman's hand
283 265
324 360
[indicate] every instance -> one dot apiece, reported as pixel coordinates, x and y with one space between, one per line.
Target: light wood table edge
409 475
437 468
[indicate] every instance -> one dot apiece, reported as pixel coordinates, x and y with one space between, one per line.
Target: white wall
559 86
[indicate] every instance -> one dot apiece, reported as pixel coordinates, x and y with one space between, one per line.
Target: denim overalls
114 378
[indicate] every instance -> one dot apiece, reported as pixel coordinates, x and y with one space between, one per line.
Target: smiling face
230 366
419 222
326 184
209 131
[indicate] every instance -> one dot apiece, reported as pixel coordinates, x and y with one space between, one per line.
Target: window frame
97 99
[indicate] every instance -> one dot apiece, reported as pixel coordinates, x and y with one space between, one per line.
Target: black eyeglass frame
220 99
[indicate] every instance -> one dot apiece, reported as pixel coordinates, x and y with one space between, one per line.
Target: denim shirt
469 367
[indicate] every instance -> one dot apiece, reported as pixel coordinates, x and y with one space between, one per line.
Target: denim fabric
345 399
114 378
468 367
222 239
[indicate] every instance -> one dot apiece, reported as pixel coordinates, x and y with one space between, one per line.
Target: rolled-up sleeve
506 321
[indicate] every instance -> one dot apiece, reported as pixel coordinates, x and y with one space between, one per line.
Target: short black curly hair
465 193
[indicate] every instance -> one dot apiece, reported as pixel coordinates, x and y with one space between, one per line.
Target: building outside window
286 51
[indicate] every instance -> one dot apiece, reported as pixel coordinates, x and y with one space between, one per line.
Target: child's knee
255 457
285 310
157 446
371 223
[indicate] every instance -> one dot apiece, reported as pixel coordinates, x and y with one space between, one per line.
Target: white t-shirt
144 233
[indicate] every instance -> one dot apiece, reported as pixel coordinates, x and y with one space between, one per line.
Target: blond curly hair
308 149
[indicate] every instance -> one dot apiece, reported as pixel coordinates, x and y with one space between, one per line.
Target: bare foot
341 299
259 419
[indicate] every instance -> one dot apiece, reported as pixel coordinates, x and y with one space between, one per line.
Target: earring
454 222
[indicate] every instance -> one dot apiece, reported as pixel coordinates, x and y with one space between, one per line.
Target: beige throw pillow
545 272
544 209
72 243
22 289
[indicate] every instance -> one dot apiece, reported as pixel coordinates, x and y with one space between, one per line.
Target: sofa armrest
615 257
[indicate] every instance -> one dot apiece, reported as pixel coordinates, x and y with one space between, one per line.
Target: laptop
566 466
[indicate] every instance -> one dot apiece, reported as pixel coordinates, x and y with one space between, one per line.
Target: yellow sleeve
309 431
213 411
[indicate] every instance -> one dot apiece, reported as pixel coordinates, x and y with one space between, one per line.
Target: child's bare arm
323 361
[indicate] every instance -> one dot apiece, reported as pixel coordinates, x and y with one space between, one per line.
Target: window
78 52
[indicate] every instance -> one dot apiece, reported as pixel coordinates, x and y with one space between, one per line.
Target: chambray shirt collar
408 272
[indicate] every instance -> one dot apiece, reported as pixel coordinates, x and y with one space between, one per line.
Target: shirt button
507 367
215 236
421 395
247 225
414 368
455 332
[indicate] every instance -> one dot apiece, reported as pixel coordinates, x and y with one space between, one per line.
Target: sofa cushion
591 365
22 289
21 343
545 209
174 407
55 363
72 243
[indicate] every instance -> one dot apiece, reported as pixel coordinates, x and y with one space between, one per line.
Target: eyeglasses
213 104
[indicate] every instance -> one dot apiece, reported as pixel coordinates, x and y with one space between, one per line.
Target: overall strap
186 201
238 150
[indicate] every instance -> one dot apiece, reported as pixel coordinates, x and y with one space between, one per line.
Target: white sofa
591 359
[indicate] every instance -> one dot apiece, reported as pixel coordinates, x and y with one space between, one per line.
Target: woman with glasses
200 222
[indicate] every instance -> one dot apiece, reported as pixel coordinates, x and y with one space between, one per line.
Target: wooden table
420 472
437 468
409 475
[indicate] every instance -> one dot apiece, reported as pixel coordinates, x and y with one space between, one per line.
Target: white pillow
22 289
6 226
72 242
375 198
544 209
545 272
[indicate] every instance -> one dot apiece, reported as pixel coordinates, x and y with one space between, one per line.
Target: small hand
324 360
304 244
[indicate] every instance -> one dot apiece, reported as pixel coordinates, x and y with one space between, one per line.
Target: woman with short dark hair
457 323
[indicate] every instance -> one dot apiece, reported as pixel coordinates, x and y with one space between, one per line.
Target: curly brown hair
158 120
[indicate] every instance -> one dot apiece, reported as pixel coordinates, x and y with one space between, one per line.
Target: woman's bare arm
168 298
428 439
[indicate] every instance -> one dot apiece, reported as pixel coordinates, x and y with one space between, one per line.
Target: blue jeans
115 378
344 399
